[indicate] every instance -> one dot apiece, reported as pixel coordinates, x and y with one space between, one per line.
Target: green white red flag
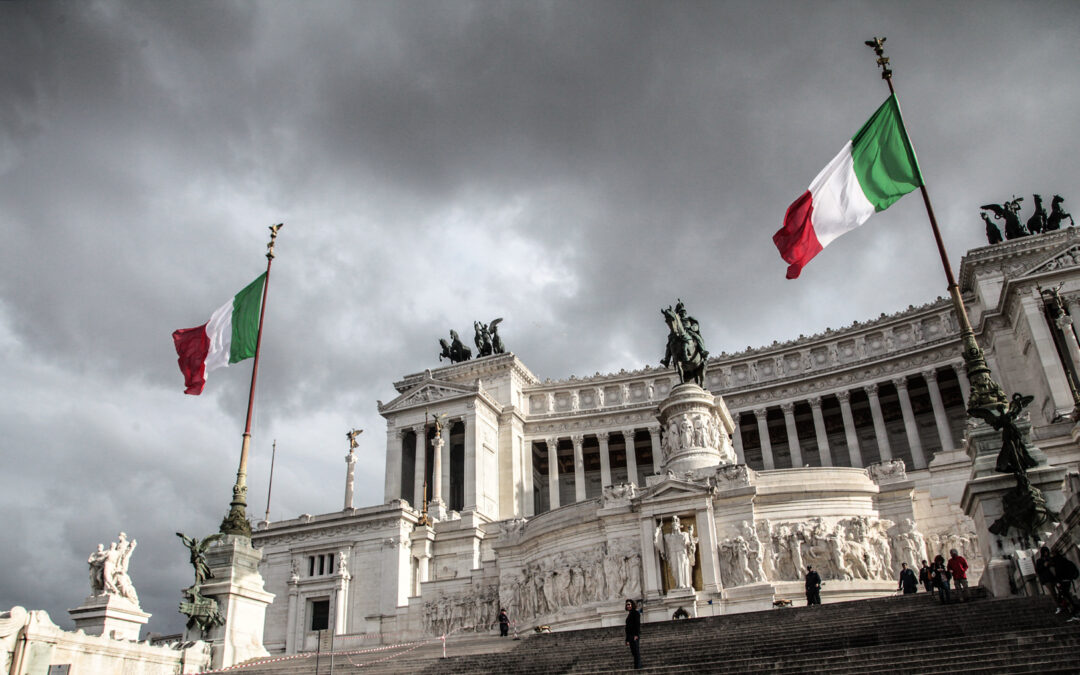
228 337
873 170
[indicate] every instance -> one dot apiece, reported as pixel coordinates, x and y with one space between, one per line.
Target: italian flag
229 336
874 169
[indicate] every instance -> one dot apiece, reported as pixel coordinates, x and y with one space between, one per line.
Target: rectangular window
330 563
320 614
311 566
322 565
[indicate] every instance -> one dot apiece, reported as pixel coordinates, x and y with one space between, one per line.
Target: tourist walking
926 576
908 583
633 632
1045 574
813 586
1065 573
958 567
504 623
940 575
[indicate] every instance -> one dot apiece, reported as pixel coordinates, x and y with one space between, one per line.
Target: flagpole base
236 521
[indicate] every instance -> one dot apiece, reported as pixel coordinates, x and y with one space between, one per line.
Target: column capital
815 402
418 428
760 413
843 396
900 383
399 433
350 458
578 440
552 442
788 407
654 431
959 367
603 436
930 375
871 389
628 435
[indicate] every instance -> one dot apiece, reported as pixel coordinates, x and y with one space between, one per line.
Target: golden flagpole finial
878 45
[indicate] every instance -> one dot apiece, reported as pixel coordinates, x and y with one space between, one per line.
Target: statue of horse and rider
685 347
455 350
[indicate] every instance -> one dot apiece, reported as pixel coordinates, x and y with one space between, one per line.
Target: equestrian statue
685 347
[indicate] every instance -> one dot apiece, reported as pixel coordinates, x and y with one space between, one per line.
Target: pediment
429 390
673 488
1065 257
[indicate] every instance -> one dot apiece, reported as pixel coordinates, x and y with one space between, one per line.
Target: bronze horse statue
1057 214
455 350
684 348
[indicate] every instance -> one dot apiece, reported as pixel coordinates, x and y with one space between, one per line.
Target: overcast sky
569 166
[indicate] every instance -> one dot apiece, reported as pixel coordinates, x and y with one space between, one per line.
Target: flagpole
985 392
270 484
236 521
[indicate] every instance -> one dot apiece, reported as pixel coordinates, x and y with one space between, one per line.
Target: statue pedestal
982 501
697 428
109 615
238 588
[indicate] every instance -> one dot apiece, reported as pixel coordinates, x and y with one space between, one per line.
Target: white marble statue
109 569
678 549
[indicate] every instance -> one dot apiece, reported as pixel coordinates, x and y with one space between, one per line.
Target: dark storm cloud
571 167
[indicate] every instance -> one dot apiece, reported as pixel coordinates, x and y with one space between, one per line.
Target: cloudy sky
569 166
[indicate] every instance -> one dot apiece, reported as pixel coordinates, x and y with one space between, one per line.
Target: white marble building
845 450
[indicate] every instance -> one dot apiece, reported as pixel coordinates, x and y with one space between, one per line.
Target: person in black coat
633 631
504 623
813 586
908 582
926 576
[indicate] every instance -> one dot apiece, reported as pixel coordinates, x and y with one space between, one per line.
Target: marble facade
845 450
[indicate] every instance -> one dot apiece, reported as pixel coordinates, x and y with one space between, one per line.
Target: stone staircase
898 635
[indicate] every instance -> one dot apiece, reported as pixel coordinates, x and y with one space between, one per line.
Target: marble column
918 457
965 383
350 478
794 447
880 432
420 474
736 440
445 473
654 440
1046 351
852 436
766 443
438 506
940 417
290 620
605 458
553 473
579 468
392 487
631 457
820 432
473 493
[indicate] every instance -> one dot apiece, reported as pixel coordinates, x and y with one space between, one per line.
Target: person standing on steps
1045 574
926 576
504 623
813 586
1065 573
633 632
907 582
941 578
958 567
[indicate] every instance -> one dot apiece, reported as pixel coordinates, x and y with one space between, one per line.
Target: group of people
1057 573
938 575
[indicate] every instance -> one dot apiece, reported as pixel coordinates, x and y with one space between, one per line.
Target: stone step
867 636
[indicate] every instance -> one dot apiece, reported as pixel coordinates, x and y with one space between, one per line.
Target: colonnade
855 458
551 445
